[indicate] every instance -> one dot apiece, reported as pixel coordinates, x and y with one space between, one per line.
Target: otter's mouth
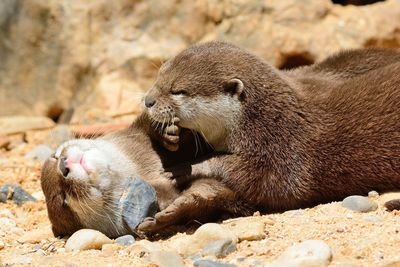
138 201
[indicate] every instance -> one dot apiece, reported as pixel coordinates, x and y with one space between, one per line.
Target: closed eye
179 92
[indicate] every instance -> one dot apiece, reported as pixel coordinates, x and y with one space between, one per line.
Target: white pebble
307 253
85 239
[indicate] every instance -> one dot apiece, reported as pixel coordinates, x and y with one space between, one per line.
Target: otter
83 180
288 139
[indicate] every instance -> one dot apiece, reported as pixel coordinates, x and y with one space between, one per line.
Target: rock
219 248
359 204
40 152
166 259
373 194
204 235
133 38
36 236
4 141
85 239
138 201
146 245
247 228
109 249
125 240
20 124
38 195
373 219
15 193
2 245
306 253
211 263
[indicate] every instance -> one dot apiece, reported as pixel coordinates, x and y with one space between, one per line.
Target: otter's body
289 139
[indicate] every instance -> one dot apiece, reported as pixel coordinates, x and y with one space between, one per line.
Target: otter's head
203 87
82 183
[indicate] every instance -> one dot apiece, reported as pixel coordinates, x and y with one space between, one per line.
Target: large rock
98 57
20 124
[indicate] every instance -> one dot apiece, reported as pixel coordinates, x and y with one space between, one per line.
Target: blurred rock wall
98 57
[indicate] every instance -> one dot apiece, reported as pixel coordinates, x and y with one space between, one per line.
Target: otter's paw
170 137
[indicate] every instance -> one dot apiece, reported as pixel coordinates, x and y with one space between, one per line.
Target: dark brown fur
302 137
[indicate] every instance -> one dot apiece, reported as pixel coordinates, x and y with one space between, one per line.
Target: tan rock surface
99 57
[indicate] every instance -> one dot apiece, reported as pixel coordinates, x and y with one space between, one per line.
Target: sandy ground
356 239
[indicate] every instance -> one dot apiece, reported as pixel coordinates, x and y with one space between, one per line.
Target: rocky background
88 64
93 60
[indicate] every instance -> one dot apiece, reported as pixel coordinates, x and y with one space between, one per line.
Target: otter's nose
149 101
63 167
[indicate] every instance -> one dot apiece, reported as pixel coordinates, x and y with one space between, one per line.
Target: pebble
14 192
2 245
373 194
125 240
166 259
20 124
35 236
306 253
193 244
247 228
373 219
85 239
359 204
211 263
4 141
38 195
138 201
40 153
219 248
146 245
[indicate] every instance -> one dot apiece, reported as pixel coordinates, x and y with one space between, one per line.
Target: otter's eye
179 92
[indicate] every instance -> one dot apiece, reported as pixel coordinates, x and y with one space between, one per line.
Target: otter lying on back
289 139
83 181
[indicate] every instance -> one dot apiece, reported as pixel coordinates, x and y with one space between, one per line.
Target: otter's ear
234 87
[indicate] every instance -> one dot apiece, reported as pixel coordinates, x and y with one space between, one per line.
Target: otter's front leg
201 201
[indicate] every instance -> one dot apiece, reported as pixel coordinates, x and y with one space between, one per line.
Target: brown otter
289 139
83 180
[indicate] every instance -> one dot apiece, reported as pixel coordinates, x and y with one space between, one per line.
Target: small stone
166 259
109 249
36 236
38 195
373 194
14 192
146 245
373 219
138 201
125 240
211 263
6 213
85 239
4 141
247 228
219 248
209 232
306 253
20 124
2 245
40 153
359 204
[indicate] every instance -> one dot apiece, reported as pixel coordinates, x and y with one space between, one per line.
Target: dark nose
63 167
149 101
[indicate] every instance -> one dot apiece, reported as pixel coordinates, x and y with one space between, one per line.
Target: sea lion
84 180
289 139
